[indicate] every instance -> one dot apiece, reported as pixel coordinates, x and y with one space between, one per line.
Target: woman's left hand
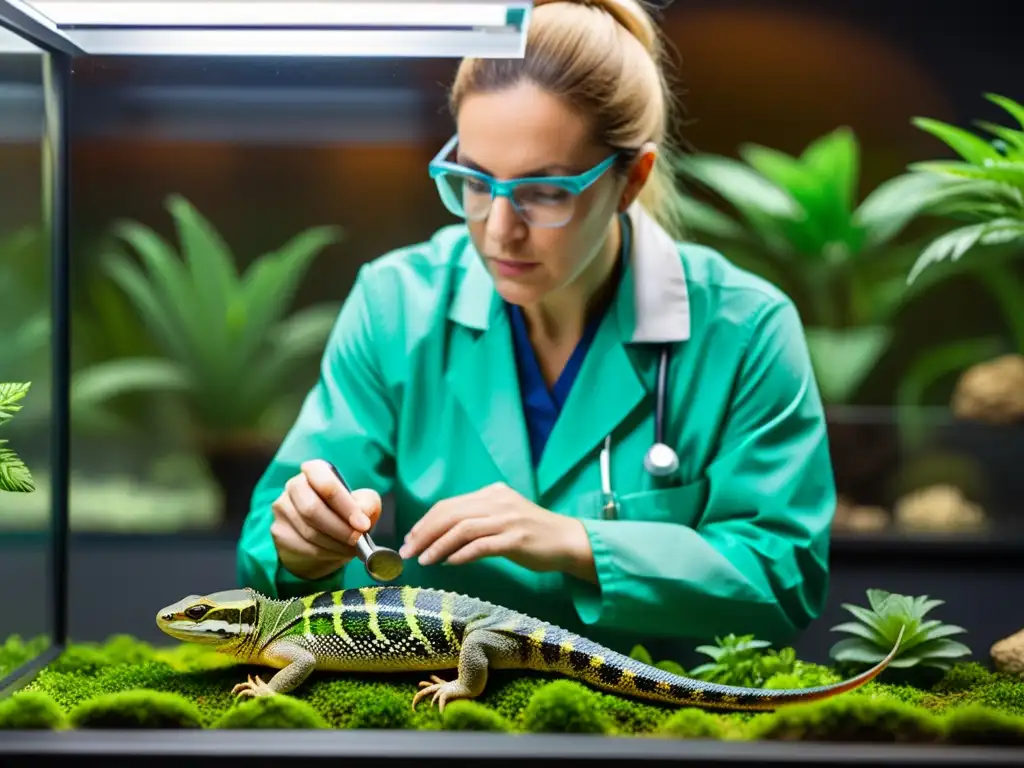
498 521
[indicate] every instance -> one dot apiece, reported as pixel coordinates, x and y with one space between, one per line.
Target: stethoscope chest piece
660 460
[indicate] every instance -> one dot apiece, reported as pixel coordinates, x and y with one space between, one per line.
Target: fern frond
14 475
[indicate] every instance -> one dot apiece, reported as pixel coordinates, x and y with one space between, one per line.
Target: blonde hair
605 57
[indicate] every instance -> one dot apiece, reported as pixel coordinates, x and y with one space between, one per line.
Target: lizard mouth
202 632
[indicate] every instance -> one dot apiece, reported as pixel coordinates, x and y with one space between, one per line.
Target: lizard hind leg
481 648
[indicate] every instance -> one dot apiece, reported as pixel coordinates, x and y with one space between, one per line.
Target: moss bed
125 683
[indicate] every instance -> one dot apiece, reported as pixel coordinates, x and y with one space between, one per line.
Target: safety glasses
548 201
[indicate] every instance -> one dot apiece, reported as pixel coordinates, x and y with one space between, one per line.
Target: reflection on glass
24 357
179 404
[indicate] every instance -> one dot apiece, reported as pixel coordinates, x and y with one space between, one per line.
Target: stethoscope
661 460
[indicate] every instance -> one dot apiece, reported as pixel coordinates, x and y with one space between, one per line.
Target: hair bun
630 14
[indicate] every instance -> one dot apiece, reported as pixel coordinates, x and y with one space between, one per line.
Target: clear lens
541 205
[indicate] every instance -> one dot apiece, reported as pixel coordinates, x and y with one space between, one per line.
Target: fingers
485 546
354 508
463 533
440 519
287 539
313 520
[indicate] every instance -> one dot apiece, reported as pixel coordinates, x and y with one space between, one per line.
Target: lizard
394 628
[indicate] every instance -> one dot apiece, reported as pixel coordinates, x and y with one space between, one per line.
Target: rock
938 508
991 392
861 519
1008 654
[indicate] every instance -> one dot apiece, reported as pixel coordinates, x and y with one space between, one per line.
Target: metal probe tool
381 563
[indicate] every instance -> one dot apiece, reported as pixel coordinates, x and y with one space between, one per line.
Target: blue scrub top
542 405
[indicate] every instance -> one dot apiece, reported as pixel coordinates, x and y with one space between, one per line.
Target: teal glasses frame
439 166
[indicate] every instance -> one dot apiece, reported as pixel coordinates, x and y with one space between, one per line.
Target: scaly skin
403 629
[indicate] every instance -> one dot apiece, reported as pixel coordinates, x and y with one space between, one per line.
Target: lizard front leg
298 662
481 648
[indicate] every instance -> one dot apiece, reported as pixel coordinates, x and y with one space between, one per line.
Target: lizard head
222 619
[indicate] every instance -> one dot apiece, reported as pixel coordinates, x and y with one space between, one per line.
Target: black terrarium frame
354 747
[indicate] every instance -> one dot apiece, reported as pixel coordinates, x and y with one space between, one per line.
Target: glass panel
24 357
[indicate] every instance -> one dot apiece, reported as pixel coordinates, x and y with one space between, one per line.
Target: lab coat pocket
682 504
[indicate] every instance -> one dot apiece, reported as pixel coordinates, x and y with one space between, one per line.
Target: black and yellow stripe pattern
373 629
549 648
399 629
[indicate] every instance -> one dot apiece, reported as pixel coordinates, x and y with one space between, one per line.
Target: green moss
977 724
963 677
30 711
691 723
854 717
16 651
388 710
272 712
136 709
125 683
473 716
565 706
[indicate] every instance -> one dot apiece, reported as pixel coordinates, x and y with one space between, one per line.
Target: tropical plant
799 225
738 660
227 345
925 644
983 187
15 477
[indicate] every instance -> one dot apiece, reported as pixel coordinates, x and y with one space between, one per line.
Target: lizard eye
196 612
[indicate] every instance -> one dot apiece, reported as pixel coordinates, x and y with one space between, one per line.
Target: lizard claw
253 688
442 690
434 686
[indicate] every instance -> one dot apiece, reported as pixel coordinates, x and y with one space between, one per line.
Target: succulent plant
925 643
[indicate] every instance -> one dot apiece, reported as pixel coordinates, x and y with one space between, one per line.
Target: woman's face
521 132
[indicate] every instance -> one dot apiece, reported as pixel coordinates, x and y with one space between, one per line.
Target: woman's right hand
317 522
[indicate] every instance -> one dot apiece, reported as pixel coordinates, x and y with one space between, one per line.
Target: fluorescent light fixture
400 28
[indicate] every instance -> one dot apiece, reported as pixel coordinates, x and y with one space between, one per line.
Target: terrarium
88 700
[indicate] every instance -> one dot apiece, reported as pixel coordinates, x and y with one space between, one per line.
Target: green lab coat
419 397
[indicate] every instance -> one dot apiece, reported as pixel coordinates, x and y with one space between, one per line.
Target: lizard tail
589 662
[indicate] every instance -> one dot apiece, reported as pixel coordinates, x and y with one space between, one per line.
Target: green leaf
867 617
707 220
842 358
1001 171
211 266
937 649
835 158
1015 109
11 395
857 650
1014 139
106 380
887 210
860 630
956 243
714 651
641 654
924 605
272 281
14 475
740 185
966 144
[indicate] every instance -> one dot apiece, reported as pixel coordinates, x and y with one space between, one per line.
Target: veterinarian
579 415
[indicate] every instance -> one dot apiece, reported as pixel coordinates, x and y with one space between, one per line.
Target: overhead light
402 28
